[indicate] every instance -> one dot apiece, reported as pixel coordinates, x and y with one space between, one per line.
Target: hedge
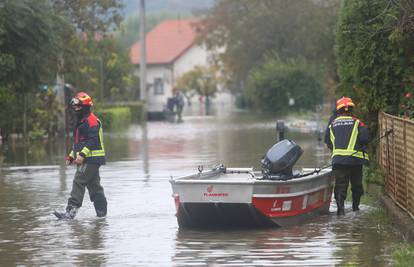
120 115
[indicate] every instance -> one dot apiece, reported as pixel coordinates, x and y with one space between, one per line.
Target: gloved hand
69 160
79 159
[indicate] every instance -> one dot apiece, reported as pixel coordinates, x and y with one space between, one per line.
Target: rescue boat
241 197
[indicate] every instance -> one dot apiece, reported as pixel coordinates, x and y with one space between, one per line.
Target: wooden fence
396 157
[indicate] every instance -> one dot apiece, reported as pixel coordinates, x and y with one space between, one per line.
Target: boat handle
200 168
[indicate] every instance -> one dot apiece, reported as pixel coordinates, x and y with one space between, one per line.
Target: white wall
199 56
169 73
195 56
157 102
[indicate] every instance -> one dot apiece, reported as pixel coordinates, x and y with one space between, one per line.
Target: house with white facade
171 51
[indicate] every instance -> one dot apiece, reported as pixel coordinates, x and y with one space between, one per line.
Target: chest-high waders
87 175
347 161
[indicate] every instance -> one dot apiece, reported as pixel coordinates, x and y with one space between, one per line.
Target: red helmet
81 99
344 102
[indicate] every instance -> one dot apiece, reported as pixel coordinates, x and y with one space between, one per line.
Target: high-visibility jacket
88 140
347 137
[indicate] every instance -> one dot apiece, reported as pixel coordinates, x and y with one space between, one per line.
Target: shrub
115 117
272 84
374 174
123 113
374 56
404 256
136 109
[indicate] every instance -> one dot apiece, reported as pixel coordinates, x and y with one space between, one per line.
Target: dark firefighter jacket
347 137
88 140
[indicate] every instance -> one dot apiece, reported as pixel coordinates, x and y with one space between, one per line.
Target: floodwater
141 228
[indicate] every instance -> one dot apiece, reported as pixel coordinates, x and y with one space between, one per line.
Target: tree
273 84
34 36
102 67
201 80
29 36
251 29
375 55
90 15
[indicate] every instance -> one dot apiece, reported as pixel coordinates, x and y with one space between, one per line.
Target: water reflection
236 140
144 149
327 241
299 245
16 152
141 228
88 235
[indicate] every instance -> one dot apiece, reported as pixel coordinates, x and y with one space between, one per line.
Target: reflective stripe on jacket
346 136
88 140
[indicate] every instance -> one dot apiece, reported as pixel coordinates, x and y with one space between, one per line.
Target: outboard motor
279 160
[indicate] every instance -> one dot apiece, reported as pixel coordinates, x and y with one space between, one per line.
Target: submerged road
141 229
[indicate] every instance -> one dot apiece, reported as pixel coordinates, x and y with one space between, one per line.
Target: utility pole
63 125
101 79
143 87
143 61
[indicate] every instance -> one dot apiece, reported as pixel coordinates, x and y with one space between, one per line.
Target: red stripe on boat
177 202
292 206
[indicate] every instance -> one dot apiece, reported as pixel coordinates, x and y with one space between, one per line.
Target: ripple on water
141 229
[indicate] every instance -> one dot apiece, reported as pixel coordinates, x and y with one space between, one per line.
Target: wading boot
100 205
355 204
69 214
340 211
100 208
340 207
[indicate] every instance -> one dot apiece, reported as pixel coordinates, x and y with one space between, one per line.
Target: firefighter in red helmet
347 137
88 154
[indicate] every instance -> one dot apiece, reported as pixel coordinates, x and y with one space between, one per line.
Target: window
158 86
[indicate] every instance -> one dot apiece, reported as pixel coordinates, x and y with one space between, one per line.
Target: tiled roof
166 42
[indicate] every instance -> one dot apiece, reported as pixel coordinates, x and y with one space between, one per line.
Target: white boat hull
215 199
